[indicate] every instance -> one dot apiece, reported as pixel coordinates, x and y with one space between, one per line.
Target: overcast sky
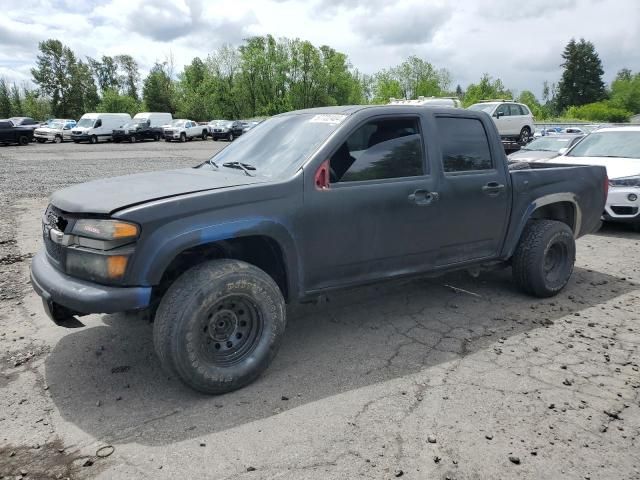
518 41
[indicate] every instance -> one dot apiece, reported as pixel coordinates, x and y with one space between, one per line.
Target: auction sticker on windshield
333 119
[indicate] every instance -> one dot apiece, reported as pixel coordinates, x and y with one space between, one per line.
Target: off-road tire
543 261
23 140
185 332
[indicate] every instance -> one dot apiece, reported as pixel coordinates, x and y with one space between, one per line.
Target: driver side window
98 123
389 148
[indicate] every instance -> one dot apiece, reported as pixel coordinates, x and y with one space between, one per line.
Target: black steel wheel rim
230 330
555 262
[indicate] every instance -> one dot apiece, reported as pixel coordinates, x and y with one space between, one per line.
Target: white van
95 127
156 119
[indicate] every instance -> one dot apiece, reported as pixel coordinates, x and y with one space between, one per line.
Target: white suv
513 120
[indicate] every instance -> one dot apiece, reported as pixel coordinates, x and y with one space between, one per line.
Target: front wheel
183 137
204 135
544 259
156 137
230 137
93 139
132 139
219 325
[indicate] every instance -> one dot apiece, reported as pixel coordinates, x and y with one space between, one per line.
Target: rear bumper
620 208
80 296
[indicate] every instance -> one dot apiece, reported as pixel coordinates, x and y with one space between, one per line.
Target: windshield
56 125
177 123
548 144
280 143
86 122
609 144
483 107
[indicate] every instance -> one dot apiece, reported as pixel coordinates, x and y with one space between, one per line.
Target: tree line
264 76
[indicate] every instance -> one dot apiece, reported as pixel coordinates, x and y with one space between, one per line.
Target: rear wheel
93 139
132 139
544 259
23 140
219 325
156 137
525 134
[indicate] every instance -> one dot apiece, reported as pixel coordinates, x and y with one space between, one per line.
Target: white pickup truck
183 130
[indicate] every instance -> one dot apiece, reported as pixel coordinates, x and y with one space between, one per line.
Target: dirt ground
450 377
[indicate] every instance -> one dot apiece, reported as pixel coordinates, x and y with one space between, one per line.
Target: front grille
624 210
54 218
76 132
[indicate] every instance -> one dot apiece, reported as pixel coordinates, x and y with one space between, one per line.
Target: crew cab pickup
11 133
183 130
311 201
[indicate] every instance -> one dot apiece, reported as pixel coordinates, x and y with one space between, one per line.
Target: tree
158 89
105 73
459 92
16 101
581 81
53 74
625 91
113 102
486 89
5 99
530 100
129 75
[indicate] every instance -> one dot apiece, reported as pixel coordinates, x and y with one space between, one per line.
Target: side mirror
563 150
499 114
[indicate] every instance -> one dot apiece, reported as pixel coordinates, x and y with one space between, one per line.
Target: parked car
545 148
11 133
96 127
25 122
56 131
312 201
228 130
246 126
513 120
144 125
452 102
183 130
617 149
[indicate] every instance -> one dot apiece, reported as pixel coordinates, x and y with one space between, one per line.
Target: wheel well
564 212
261 251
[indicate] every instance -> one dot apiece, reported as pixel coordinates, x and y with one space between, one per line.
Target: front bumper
83 137
619 208
45 136
81 296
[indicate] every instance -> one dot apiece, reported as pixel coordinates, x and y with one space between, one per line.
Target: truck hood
616 167
110 194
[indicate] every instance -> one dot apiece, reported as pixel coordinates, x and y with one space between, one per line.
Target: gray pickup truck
304 203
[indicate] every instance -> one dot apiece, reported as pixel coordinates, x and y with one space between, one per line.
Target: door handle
423 198
493 188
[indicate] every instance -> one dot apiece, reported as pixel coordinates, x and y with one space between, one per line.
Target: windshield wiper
212 163
245 167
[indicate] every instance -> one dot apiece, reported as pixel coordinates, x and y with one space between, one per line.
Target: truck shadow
106 380
618 230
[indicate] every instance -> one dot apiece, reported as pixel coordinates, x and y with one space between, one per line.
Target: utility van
95 127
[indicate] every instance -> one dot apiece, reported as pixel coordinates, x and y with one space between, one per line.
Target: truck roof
351 109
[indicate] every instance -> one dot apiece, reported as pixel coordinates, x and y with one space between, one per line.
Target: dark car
227 130
12 133
549 146
311 201
137 130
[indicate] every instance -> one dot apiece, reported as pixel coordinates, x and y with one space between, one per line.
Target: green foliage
113 102
603 111
581 81
412 78
486 89
539 111
158 89
625 91
5 99
65 80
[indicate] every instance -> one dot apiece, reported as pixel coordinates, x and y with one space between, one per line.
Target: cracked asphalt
452 377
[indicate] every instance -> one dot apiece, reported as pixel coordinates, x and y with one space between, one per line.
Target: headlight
96 266
625 181
106 229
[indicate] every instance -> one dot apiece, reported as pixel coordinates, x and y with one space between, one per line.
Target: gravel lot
451 377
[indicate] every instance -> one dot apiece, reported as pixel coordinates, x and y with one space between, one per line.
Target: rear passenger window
464 144
379 149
